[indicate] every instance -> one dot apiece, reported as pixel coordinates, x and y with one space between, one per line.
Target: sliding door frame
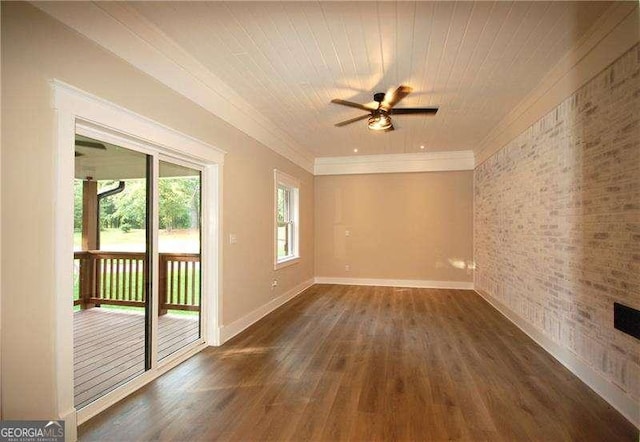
85 114
205 253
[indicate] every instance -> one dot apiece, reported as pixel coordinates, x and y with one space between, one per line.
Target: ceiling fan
380 117
89 144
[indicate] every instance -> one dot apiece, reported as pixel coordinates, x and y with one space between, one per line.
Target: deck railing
179 276
118 278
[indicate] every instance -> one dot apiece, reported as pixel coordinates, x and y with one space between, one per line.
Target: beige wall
36 49
557 223
248 212
414 226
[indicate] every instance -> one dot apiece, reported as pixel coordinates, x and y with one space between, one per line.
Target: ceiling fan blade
353 120
394 98
90 144
414 110
352 104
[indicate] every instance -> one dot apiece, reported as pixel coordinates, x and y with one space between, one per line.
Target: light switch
233 238
347 233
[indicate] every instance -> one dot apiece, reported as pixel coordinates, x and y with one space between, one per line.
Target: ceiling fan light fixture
379 121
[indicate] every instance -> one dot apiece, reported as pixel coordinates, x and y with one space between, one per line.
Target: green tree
179 205
130 205
107 206
179 202
77 205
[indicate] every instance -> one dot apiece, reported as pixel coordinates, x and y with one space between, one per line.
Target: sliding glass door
111 255
124 200
179 246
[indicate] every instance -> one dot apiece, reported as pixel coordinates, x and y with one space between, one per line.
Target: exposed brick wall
557 222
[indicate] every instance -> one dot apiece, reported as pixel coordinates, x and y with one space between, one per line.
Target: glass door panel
111 262
179 247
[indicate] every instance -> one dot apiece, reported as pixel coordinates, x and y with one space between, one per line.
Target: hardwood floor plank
369 363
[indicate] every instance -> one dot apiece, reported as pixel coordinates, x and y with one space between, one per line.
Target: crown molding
396 163
611 36
120 29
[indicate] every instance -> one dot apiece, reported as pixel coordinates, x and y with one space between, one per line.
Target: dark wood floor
369 363
108 348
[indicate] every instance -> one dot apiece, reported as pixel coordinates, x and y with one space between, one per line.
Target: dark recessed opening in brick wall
626 319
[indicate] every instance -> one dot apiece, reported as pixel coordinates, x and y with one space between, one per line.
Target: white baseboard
229 331
605 389
413 283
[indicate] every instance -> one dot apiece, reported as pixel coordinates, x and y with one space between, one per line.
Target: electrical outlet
274 284
347 233
347 267
233 238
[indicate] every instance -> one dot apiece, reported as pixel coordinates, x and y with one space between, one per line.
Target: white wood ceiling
475 60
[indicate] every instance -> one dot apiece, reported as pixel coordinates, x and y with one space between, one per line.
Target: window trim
282 179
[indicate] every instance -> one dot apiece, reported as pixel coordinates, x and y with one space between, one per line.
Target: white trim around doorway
80 112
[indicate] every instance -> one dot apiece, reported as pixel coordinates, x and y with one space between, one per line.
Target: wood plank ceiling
475 60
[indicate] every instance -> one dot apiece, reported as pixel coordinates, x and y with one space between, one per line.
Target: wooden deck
109 348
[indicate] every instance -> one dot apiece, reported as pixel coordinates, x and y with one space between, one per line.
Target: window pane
284 243
286 208
110 263
179 270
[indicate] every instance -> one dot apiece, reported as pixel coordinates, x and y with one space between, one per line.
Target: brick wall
557 222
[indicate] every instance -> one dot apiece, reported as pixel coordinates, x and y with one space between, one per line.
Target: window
286 220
